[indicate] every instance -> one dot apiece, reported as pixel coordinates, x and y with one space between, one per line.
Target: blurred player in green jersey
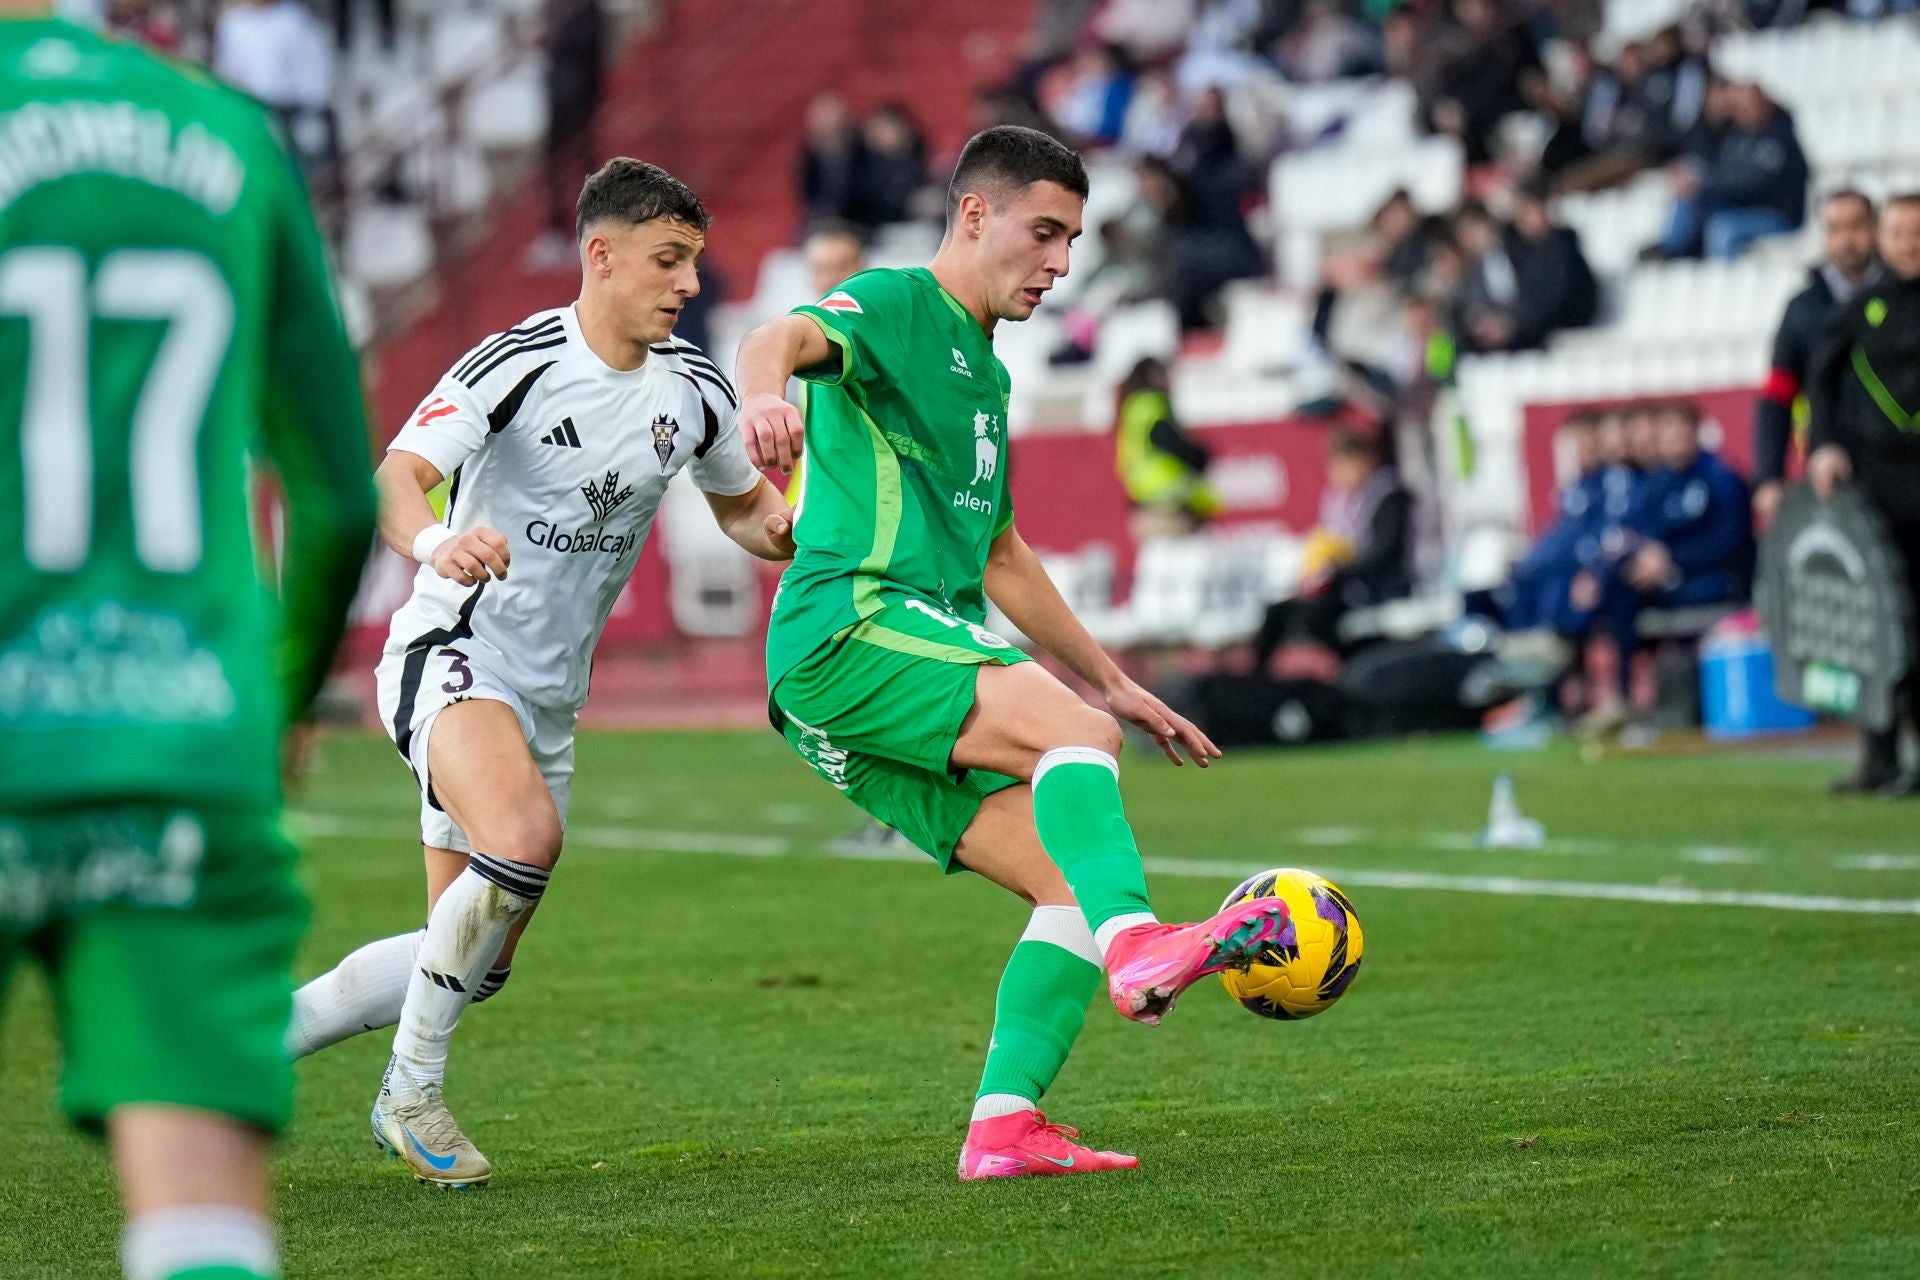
884 678
165 317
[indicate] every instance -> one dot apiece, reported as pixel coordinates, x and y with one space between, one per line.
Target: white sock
1065 927
1103 936
992 1105
363 992
463 938
163 1242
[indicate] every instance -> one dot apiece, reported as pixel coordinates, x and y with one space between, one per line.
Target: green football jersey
165 319
906 476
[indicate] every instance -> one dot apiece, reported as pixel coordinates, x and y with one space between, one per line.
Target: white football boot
411 1121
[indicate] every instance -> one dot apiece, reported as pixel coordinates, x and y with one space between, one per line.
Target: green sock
1083 827
1041 1007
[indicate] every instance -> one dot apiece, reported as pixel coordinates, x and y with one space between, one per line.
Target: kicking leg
1042 1004
485 776
1026 724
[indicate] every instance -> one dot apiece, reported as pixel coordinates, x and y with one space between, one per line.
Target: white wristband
428 541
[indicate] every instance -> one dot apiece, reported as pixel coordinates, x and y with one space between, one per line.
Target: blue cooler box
1736 690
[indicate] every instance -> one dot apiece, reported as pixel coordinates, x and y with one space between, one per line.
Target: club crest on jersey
665 428
606 496
841 300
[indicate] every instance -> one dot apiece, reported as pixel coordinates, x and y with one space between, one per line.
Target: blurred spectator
833 252
1155 117
1359 555
575 33
1642 110
1091 101
1527 281
1863 394
1486 56
1848 224
1162 465
890 168
1327 43
155 25
1535 594
344 14
1688 541
1751 182
277 51
1197 199
828 160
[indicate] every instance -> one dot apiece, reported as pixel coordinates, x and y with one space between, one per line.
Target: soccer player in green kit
165 314
884 679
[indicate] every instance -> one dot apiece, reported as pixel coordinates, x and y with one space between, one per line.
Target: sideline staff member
1865 427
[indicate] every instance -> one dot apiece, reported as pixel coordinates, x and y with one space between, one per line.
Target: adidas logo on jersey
563 435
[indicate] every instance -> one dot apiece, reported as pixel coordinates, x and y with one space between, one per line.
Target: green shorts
168 936
876 711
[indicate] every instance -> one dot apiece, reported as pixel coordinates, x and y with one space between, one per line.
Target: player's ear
598 252
973 213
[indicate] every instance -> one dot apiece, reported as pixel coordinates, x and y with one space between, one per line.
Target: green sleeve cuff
826 375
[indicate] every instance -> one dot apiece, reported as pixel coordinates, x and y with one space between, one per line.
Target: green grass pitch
726 1052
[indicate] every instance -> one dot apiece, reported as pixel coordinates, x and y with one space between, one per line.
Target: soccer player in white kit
560 436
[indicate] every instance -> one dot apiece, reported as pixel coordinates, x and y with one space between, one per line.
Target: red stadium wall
1727 428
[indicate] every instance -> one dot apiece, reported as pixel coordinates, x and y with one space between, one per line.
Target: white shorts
416 685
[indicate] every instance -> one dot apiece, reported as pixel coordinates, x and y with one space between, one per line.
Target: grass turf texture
760 1065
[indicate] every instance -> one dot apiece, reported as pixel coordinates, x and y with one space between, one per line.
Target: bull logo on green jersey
986 452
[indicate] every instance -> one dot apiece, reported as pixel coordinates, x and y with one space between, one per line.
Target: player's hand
1828 468
473 556
779 527
1766 501
772 429
1169 732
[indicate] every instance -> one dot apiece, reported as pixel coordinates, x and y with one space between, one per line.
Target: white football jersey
568 459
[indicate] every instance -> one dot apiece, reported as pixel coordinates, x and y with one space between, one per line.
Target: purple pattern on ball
1327 909
1333 990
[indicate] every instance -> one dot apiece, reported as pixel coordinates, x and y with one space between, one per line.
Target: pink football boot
1149 965
1025 1145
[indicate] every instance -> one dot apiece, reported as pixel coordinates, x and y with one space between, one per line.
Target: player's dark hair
633 191
1354 444
1852 193
1911 199
1005 160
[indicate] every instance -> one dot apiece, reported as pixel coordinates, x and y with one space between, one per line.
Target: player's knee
532 838
1090 727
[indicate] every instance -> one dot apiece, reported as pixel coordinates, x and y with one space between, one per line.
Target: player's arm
1018 583
769 356
409 526
314 434
759 520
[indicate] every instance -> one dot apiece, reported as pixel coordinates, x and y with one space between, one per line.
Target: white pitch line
338 825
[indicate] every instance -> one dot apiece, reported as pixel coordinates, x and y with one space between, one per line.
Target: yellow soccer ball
1314 960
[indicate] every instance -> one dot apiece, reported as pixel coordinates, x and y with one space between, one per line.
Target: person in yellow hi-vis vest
1160 462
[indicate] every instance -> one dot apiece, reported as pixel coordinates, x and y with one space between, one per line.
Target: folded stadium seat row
1829 58
1208 590
1722 300
1615 225
1338 187
1624 20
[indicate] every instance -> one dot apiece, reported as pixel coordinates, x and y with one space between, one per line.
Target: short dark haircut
1686 409
633 191
1911 199
1583 420
1003 161
1852 193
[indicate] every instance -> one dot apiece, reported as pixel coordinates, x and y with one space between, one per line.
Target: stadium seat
508 112
387 245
